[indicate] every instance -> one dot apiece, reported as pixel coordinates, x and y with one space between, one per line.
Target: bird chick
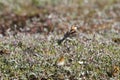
61 61
72 32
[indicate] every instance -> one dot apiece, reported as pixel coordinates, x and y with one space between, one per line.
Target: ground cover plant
30 33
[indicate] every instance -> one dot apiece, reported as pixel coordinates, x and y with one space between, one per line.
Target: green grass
39 60
91 55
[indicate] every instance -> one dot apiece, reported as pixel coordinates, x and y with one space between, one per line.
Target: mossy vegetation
29 33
